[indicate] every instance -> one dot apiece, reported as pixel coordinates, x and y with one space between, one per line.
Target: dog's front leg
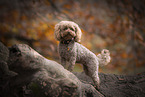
63 62
71 64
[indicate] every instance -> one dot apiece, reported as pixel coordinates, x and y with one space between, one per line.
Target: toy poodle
71 51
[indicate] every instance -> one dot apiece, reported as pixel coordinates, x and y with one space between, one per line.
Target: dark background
117 25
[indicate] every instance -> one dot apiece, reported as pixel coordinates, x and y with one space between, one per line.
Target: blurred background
117 25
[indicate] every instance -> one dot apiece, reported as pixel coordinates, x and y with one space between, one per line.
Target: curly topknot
61 25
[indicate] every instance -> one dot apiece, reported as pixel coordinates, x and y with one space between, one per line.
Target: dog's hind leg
92 71
96 79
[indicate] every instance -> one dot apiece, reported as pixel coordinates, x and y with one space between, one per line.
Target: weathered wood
31 75
40 77
4 70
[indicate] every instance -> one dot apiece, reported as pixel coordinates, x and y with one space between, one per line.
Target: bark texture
36 76
25 73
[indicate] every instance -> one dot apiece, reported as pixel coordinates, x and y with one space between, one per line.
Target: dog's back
84 55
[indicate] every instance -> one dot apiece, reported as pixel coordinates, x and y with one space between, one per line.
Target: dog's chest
67 50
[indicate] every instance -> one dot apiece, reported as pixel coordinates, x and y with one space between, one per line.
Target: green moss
37 90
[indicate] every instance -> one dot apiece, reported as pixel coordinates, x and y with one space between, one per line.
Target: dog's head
67 30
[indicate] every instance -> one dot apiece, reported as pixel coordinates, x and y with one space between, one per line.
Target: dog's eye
65 28
72 29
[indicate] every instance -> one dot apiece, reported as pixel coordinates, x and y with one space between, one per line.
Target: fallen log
25 73
36 76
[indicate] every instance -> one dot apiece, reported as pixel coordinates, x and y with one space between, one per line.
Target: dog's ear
57 32
78 33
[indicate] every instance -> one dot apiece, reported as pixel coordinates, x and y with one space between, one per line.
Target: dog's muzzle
67 41
68 33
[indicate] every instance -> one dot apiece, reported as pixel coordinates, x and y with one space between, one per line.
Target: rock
118 85
4 70
40 77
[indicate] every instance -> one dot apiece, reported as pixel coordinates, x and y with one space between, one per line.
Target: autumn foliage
112 24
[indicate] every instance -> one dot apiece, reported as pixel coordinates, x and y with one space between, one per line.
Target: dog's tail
104 58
